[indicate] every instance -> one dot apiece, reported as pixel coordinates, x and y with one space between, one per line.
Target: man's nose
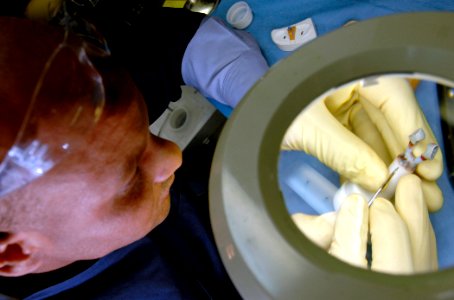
162 158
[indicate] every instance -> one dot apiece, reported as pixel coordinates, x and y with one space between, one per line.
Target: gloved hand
42 9
359 129
402 237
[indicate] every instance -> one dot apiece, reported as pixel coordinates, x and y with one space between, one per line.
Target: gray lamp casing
264 252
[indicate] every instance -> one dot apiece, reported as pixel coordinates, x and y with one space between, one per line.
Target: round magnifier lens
264 251
66 103
401 226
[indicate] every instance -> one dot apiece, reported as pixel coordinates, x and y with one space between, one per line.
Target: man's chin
163 214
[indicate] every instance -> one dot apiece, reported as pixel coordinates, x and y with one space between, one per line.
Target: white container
291 37
239 15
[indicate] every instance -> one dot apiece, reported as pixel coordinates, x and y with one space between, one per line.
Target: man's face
110 192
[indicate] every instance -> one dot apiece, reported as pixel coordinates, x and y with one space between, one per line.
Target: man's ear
18 253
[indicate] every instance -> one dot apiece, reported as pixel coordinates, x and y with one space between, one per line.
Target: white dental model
292 37
403 164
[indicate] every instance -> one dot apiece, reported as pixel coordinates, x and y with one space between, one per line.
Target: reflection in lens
446 97
67 101
346 145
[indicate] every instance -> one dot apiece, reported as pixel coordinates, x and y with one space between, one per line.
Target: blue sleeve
222 63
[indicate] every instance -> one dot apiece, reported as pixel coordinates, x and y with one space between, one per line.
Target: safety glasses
66 104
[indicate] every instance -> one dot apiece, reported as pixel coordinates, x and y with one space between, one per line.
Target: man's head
108 191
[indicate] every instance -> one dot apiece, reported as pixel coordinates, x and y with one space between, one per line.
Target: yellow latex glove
358 130
342 233
403 240
42 10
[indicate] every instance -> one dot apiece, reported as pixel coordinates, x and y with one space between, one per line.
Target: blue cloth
327 16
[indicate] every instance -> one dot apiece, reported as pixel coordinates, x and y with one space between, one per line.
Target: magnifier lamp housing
264 252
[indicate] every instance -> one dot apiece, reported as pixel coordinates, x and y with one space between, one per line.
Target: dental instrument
403 164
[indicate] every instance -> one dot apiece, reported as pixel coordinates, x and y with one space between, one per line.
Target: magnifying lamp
264 252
